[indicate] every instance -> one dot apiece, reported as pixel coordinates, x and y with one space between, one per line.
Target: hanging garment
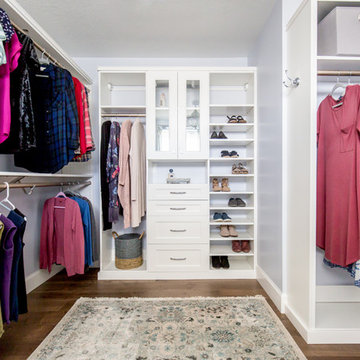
353 270
6 258
105 136
22 131
6 25
112 171
89 141
57 135
124 172
337 203
21 285
20 224
86 221
62 236
12 51
1 321
2 49
79 104
138 173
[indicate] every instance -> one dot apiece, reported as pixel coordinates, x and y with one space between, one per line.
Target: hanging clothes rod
44 184
123 115
338 73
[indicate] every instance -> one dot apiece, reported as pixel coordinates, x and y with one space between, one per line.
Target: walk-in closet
179 179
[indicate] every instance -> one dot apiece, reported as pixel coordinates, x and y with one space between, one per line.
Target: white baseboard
295 320
40 276
334 336
348 293
275 294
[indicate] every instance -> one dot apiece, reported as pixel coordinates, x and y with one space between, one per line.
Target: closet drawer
178 208
178 230
178 192
178 257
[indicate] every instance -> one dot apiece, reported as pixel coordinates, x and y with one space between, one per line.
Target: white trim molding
275 294
326 294
38 277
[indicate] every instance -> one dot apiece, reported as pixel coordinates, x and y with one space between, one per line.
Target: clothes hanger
60 193
6 200
338 85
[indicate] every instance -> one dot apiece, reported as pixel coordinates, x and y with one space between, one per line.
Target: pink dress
124 171
337 204
12 51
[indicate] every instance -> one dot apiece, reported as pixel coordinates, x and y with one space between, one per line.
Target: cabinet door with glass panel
161 99
193 114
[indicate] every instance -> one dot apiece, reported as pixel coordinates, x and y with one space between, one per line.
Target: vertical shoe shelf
233 93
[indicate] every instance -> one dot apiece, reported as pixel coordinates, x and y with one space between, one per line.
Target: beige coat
138 173
124 171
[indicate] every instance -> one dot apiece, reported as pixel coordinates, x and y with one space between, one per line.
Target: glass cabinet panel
162 135
192 136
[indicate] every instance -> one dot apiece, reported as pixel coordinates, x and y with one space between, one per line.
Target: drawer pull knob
178 259
177 192
177 208
172 230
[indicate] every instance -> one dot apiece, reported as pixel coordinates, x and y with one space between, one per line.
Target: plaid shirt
57 122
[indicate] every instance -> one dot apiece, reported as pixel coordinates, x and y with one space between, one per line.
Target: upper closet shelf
55 177
232 127
24 21
339 63
110 109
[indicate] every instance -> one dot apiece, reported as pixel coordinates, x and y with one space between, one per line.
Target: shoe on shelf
235 170
234 154
225 154
232 119
236 246
233 202
245 246
222 135
225 185
224 231
215 262
240 202
232 231
217 217
240 119
242 169
225 217
214 135
215 185
224 261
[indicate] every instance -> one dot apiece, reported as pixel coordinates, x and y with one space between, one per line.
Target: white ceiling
152 28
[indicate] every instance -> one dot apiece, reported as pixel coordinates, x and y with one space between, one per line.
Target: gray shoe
240 202
233 202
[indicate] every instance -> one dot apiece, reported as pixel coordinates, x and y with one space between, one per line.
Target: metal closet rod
43 184
123 115
338 73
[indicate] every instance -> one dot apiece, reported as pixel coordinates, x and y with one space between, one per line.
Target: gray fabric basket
128 250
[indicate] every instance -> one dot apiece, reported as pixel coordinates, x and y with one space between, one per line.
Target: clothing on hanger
138 173
105 136
12 51
124 172
6 25
79 104
112 172
1 320
2 49
337 178
57 122
6 259
23 128
20 224
62 236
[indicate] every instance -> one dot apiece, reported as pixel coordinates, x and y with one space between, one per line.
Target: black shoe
222 135
224 262
215 261
214 135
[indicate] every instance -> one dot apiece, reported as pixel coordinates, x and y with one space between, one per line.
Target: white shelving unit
212 93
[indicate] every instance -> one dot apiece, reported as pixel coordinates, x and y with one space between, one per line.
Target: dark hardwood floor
49 303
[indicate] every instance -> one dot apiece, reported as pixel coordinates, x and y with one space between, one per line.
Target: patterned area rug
238 328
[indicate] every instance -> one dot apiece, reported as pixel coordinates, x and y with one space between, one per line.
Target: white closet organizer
181 107
322 314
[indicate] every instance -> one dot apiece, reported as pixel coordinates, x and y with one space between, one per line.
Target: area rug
232 328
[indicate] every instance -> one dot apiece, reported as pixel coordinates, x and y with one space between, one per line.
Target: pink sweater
62 236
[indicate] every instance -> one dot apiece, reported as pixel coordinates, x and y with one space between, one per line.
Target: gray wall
267 56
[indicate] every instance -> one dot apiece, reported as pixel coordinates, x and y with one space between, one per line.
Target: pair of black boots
220 262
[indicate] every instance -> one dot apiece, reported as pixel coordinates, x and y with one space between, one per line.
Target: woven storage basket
128 250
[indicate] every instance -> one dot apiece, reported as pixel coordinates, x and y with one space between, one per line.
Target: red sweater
62 236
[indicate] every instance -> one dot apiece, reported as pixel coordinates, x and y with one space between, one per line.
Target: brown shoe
232 231
245 246
224 231
225 185
236 246
215 185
